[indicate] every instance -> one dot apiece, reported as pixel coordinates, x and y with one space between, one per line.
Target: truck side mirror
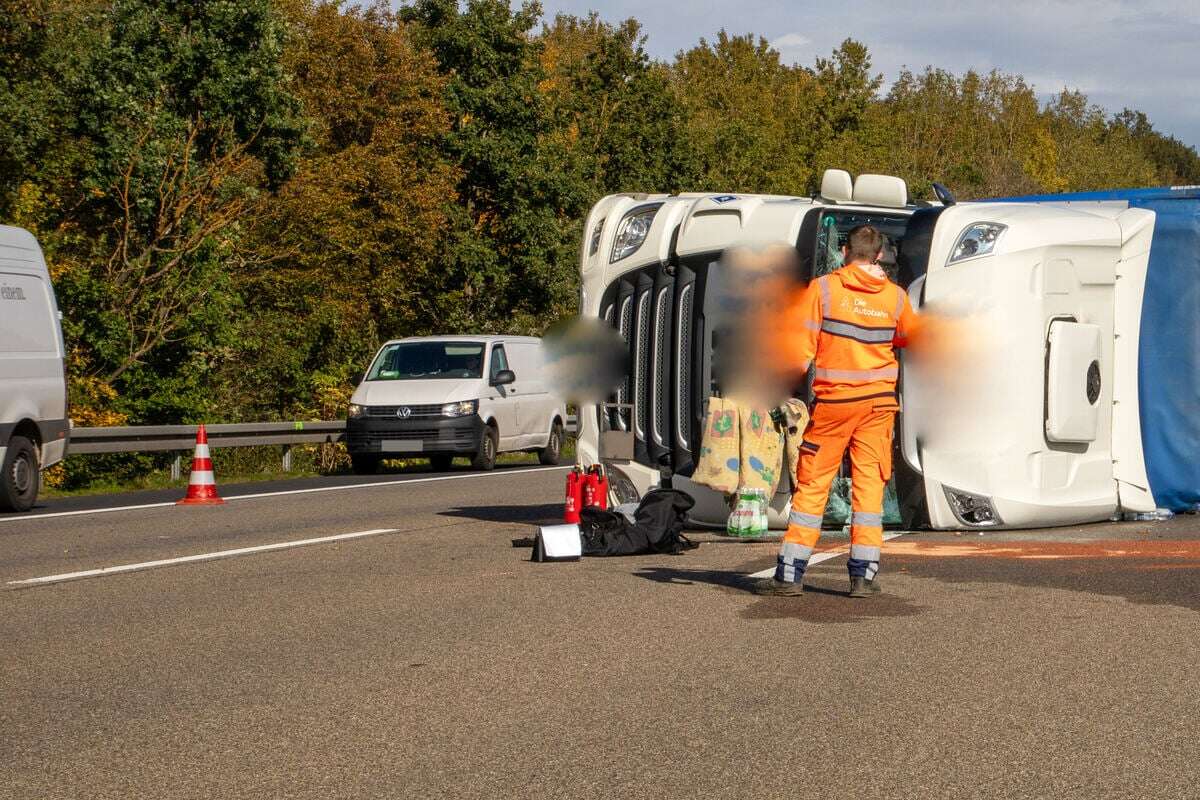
504 377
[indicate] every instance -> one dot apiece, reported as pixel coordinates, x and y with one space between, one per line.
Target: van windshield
408 361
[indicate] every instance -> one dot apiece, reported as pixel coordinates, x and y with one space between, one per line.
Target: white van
33 385
447 396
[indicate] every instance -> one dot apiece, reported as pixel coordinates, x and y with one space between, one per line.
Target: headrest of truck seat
836 186
881 190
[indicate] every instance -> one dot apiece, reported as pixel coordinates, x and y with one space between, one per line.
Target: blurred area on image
586 359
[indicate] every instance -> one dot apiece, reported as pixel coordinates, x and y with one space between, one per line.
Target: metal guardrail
165 438
158 438
161 438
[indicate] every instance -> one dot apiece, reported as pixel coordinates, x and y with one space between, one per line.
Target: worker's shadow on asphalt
819 603
546 514
730 580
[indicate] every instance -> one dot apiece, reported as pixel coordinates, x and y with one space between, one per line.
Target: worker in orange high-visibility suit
848 324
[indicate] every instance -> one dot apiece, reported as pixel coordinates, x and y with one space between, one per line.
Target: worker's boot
770 586
861 586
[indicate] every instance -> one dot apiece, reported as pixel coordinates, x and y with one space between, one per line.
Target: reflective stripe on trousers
791 562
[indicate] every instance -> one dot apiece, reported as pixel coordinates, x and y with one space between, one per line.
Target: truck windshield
835 227
409 361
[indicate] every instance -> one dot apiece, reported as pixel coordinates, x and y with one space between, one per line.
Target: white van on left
33 387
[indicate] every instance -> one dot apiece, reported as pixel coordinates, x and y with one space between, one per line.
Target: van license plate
401 447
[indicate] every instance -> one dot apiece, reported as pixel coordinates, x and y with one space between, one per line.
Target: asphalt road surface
425 656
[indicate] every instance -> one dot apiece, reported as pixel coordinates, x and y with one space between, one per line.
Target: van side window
499 361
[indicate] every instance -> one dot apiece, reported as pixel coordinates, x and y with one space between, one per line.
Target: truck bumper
398 438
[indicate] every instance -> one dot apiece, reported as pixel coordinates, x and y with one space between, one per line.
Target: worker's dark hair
864 243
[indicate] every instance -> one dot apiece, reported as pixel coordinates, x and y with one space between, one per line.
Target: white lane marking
167 562
825 555
232 498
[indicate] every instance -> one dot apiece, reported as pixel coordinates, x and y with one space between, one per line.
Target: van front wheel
485 458
549 454
19 481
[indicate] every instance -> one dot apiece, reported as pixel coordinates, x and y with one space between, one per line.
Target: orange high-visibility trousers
866 426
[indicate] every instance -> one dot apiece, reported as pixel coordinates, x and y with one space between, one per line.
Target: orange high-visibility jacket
850 323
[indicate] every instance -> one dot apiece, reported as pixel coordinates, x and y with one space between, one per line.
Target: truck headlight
462 408
973 510
977 240
621 486
355 410
632 231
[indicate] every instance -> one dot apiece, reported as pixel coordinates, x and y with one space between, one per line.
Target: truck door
1011 408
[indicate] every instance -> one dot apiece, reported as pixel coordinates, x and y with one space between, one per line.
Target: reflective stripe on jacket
850 324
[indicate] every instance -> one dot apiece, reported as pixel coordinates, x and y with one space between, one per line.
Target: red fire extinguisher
595 488
575 483
600 495
589 487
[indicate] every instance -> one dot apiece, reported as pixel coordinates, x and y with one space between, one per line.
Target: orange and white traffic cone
202 486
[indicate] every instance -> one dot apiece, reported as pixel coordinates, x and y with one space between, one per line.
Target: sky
1143 55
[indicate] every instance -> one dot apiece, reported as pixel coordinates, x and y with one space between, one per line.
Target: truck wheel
20 478
485 459
549 454
364 465
440 463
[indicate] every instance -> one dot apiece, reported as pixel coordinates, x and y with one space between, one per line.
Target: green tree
748 116
167 120
350 247
614 119
505 262
973 132
1176 162
1092 153
758 125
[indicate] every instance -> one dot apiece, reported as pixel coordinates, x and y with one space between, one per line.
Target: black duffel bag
657 527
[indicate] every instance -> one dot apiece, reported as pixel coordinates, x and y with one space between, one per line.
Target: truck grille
660 396
641 362
659 314
683 365
626 323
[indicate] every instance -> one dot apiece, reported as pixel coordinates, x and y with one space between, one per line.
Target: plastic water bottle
759 525
749 517
739 518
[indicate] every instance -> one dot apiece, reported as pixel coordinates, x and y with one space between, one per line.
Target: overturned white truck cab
1076 392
